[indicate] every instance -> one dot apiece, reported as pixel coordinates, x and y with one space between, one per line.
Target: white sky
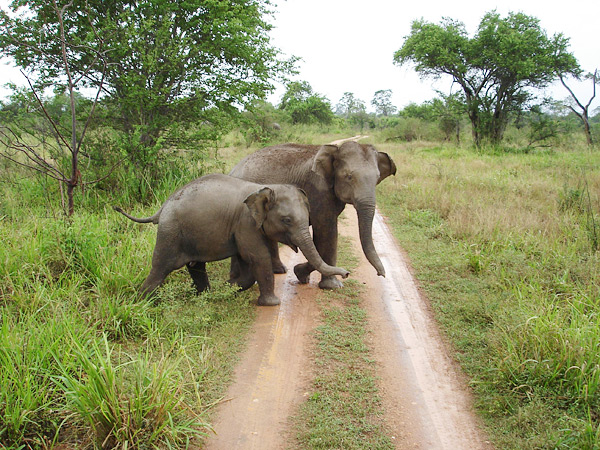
348 45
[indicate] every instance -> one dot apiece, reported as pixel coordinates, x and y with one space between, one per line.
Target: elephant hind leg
153 280
163 263
241 273
197 271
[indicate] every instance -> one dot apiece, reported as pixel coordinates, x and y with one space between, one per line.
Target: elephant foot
279 267
303 272
241 283
268 300
330 283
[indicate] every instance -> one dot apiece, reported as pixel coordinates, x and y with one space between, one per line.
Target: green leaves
164 63
494 68
305 106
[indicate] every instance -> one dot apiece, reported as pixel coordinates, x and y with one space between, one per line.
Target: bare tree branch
584 114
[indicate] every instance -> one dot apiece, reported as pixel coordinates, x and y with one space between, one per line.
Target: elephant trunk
366 211
306 245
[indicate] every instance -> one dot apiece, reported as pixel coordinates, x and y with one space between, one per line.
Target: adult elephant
331 176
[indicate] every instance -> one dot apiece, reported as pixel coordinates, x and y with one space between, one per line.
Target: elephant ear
386 166
323 162
259 204
305 199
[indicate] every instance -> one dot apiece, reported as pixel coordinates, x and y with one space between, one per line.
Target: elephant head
353 170
283 214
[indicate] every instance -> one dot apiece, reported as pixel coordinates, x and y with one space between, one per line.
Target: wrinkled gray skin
218 216
332 177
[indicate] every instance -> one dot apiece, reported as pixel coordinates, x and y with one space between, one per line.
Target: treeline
445 118
151 88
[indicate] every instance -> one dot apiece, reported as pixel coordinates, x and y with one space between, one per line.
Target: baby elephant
218 216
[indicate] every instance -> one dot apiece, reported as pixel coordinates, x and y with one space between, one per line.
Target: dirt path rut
425 400
271 379
427 405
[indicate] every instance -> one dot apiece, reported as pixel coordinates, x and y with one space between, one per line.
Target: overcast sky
348 45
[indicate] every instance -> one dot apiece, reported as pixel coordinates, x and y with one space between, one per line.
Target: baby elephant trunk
305 243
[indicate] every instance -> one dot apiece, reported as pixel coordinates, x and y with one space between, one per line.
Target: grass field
506 247
504 243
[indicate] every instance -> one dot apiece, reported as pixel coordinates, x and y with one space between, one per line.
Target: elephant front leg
197 271
278 266
266 284
260 263
326 239
253 249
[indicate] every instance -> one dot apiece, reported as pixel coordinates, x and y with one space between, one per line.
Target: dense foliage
164 66
305 106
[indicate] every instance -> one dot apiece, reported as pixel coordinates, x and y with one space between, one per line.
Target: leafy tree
494 68
382 101
305 106
350 105
166 65
425 111
259 122
449 110
296 91
315 109
542 127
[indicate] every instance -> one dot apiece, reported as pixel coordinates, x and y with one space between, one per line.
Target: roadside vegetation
496 202
505 245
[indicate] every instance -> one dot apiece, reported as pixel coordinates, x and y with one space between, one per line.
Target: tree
494 69
28 149
424 111
297 91
382 101
305 106
164 62
449 109
349 105
584 114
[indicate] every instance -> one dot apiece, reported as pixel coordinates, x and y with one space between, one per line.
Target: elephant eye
286 220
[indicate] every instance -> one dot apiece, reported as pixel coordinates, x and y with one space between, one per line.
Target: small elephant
331 176
216 217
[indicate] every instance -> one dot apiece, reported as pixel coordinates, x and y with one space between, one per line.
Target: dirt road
427 405
425 400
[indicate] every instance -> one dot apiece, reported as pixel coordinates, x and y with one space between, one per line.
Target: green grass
142 372
343 409
505 246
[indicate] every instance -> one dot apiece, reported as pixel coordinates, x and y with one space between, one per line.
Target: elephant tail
153 219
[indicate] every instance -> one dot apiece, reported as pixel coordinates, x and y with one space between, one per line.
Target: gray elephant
331 176
217 217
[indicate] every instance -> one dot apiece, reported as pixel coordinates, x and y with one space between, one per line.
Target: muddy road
424 395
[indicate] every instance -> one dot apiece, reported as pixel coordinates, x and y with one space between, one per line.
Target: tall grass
506 247
135 403
83 360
